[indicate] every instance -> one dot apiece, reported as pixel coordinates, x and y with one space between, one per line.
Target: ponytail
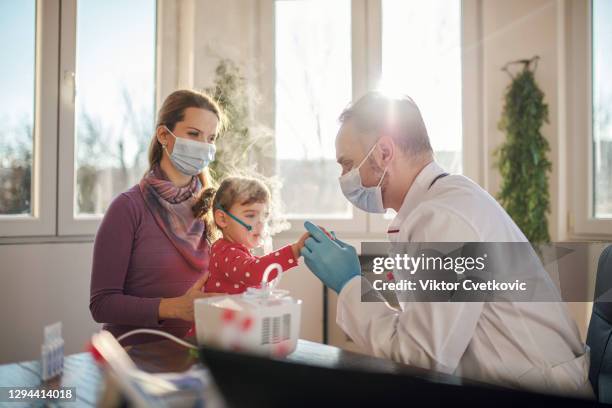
203 209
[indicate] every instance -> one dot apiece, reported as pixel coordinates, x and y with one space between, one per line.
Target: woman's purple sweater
134 266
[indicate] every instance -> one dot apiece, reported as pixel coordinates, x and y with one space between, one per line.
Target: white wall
521 29
42 284
509 31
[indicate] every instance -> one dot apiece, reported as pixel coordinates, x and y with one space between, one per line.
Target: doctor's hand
334 262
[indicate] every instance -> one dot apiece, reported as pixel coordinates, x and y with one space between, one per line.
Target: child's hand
297 247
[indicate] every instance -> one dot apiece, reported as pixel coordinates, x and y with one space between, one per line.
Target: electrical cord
158 333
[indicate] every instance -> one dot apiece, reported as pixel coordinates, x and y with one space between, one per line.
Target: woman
150 258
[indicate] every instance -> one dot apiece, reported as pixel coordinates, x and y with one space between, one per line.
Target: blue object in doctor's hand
334 262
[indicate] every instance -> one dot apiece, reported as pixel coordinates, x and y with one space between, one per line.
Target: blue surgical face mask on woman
190 157
365 198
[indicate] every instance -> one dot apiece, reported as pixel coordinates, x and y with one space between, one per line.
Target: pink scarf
171 209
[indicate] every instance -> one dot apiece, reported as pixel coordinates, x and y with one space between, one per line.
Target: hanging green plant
523 157
244 137
245 140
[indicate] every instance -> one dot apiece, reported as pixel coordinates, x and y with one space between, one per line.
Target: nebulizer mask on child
258 221
267 287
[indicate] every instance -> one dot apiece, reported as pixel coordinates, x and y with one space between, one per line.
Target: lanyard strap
438 177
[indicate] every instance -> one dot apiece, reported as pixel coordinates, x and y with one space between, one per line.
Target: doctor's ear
387 147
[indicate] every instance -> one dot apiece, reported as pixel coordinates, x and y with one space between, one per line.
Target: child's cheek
245 238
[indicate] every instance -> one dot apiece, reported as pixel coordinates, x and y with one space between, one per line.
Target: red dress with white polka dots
233 268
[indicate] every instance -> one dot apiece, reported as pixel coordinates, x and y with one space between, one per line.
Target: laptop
247 380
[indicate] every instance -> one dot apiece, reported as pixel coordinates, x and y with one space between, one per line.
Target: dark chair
599 337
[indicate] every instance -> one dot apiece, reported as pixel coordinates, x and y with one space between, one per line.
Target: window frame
363 66
69 223
582 222
366 66
41 220
379 223
53 174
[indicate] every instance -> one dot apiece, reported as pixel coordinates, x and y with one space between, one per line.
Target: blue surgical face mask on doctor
365 198
190 157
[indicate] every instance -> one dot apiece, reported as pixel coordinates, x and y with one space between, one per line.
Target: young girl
239 208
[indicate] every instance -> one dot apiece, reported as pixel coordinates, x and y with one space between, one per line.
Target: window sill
51 239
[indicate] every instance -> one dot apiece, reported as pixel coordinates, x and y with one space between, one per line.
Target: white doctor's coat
534 346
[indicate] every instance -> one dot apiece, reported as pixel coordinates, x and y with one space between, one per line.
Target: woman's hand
182 307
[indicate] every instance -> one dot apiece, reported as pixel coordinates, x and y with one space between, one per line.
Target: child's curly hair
232 190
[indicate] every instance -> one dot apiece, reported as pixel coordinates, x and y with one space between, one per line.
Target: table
82 372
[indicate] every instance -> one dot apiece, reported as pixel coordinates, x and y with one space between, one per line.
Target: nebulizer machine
262 320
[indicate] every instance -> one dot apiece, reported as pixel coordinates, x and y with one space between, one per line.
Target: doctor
387 162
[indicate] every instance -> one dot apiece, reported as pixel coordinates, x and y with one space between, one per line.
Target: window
602 108
81 123
78 97
29 35
313 86
17 81
107 104
114 106
77 106
421 57
589 114
326 52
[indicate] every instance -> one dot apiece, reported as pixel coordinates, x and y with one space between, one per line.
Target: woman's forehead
201 119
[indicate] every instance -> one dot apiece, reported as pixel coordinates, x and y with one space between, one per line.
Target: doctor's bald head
376 114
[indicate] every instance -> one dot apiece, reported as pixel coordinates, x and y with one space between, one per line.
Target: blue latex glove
333 261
